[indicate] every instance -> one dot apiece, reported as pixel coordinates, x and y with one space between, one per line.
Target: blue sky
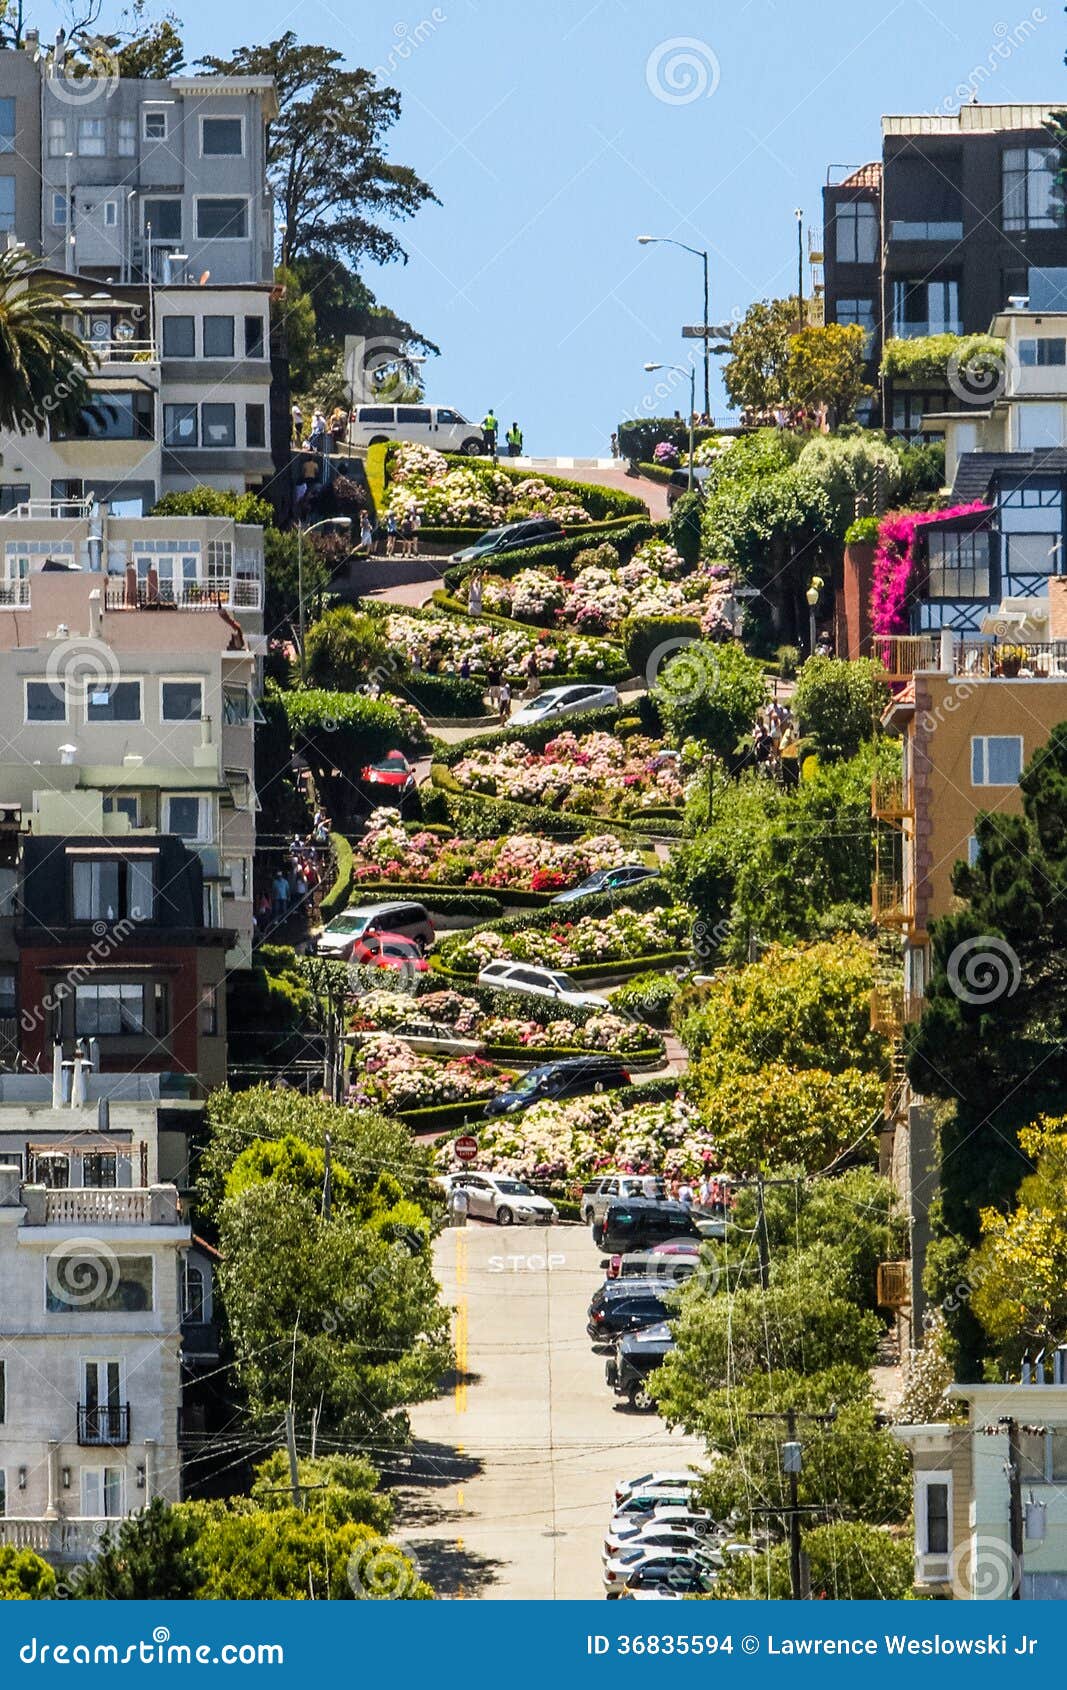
545 134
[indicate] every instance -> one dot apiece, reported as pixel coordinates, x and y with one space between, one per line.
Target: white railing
241 592
124 351
46 510
90 1206
57 1539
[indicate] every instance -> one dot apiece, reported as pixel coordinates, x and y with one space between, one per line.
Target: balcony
893 1009
237 592
14 595
903 655
901 230
893 1287
200 1340
93 1206
62 1542
104 1426
888 803
891 901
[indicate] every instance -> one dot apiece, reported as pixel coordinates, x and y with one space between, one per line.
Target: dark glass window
179 337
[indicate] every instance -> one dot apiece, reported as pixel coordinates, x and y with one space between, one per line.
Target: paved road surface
519 1458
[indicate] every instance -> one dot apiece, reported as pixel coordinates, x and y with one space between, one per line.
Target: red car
389 950
394 773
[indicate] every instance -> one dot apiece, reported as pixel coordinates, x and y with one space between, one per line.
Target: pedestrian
338 424
514 439
474 593
492 675
685 1194
366 532
490 427
407 534
317 438
416 524
505 702
464 668
704 1190
280 896
390 535
298 425
614 444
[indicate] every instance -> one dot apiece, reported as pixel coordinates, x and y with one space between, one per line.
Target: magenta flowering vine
895 563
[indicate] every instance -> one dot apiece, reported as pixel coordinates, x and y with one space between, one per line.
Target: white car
496 1197
565 701
653 1537
440 426
633 1528
538 982
657 1483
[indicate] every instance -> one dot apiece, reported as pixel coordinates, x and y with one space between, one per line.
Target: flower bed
463 1017
624 935
456 495
576 1139
592 774
387 1074
388 853
604 592
442 643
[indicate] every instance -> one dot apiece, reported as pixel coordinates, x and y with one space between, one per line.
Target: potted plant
1012 658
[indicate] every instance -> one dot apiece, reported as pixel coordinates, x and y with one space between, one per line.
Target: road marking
461 1324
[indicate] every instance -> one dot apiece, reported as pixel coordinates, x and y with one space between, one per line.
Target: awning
111 846
86 1144
120 384
109 777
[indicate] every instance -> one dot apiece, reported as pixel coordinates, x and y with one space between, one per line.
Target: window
119 702
125 804
179 425
194 1293
179 337
221 137
57 137
936 1521
13 494
126 138
859 311
922 308
7 126
163 217
209 1012
100 1170
1044 351
218 425
218 337
1032 1454
1040 426
154 124
222 220
8 996
101 1493
92 137
188 817
235 886
181 701
377 414
1057 1439
1032 199
236 707
413 413
109 1011
446 416
50 1168
45 702
959 565
7 202
996 760
973 851
113 416
111 214
105 888
857 232
255 425
125 1284
254 337
219 559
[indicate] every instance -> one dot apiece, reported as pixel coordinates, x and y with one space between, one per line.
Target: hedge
644 636
646 895
558 555
640 437
651 1056
621 969
477 815
536 735
374 465
601 502
447 900
459 538
614 668
666 476
445 1115
442 695
337 897
629 1097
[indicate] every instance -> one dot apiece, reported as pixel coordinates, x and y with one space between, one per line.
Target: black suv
574 1076
636 1358
512 537
637 1222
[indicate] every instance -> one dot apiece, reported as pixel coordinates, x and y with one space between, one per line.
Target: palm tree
44 367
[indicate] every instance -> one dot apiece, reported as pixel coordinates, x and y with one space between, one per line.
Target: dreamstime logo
985 1568
673 1273
373 360
81 83
403 978
385 1571
76 668
408 40
984 969
683 670
81 1271
979 379
682 70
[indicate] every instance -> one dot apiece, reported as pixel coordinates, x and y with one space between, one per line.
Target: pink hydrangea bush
520 860
625 935
591 774
576 1140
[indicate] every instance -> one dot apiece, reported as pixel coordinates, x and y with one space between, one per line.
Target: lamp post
681 370
799 215
812 596
327 522
697 252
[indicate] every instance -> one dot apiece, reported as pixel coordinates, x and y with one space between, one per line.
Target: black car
636 1222
636 1358
626 1314
574 1076
511 537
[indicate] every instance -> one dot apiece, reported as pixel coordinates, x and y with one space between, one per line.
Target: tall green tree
43 366
756 373
824 366
24 1576
336 190
153 1555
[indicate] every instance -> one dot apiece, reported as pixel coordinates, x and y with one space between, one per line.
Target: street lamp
327 522
799 215
680 368
697 252
812 596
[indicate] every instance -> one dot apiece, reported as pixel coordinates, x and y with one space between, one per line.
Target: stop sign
465 1149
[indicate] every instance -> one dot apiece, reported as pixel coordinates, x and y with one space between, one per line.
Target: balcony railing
46 510
893 1009
124 352
107 1424
903 655
891 901
894 1288
888 803
57 1540
239 592
14 595
98 1207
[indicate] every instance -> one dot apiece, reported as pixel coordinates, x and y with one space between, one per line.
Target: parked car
691 1572
440 426
511 537
637 1356
495 1197
653 1539
565 701
661 1482
598 1195
607 880
626 1314
410 921
393 776
434 1039
639 1529
573 1076
636 1223
638 1509
676 1259
389 950
539 982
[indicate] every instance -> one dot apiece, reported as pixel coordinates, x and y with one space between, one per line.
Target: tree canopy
824 366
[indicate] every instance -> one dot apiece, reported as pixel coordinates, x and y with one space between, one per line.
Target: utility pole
294 1466
327 1183
800 268
762 1240
1015 1507
792 1464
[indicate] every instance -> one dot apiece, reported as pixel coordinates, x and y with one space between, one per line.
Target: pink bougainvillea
895 561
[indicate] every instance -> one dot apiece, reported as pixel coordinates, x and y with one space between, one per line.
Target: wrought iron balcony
107 1424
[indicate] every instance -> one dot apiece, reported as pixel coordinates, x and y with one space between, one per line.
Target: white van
439 426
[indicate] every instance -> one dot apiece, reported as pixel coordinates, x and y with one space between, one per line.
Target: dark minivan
573 1076
512 537
639 1222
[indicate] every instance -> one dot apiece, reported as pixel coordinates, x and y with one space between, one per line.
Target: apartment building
90 1358
990 1500
941 232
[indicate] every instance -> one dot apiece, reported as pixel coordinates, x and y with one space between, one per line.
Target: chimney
81 1072
58 1087
205 732
947 658
95 618
31 42
1059 1365
103 1116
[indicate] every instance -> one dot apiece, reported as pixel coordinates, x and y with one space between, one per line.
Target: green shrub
863 532
710 692
639 439
446 900
647 997
214 501
602 503
441 695
837 703
927 357
337 897
643 637
788 661
683 526
343 648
